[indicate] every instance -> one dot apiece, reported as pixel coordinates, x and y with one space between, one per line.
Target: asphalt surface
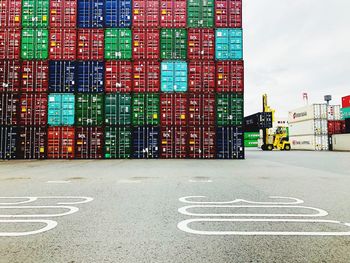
134 215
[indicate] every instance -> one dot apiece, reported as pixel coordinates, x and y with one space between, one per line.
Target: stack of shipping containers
341 136
121 79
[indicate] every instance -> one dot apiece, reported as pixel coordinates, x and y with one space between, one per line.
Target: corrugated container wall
63 14
10 75
32 142
90 13
10 13
8 142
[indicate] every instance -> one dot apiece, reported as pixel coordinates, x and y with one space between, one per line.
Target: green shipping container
117 142
200 13
35 13
118 109
35 44
229 110
251 136
250 143
145 109
345 113
173 43
118 43
89 110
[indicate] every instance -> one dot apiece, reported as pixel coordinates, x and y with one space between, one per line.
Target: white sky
295 46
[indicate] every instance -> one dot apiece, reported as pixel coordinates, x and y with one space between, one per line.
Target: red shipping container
10 72
35 76
32 142
201 43
10 13
228 13
146 76
201 109
173 13
145 43
345 102
63 13
10 43
63 44
8 108
201 141
90 44
145 13
60 142
118 76
33 109
89 142
173 109
230 76
173 142
336 127
201 76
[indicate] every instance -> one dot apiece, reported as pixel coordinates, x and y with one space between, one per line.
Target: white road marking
33 199
200 181
29 200
183 225
71 209
50 224
58 182
295 201
320 212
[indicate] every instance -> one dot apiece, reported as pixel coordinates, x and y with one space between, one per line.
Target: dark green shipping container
145 109
35 13
35 44
118 109
200 13
173 43
229 110
118 43
89 110
117 142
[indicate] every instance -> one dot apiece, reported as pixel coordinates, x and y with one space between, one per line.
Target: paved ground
134 213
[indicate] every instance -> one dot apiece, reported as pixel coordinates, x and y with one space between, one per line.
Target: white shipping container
309 142
311 127
341 142
333 112
310 112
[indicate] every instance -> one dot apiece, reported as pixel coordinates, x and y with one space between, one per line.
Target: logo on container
299 115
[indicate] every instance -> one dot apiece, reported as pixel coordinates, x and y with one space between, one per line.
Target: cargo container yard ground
134 215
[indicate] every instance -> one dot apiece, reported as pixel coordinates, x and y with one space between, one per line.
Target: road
133 215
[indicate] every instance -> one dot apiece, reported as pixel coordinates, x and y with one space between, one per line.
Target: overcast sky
295 46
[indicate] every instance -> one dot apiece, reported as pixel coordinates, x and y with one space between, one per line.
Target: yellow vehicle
279 139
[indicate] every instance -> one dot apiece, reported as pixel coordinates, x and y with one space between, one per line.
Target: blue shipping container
229 44
174 76
118 13
62 76
61 108
230 143
146 142
90 13
8 142
90 76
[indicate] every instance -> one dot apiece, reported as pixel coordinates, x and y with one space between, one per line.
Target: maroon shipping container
146 75
230 76
201 109
118 76
32 142
63 13
336 127
10 43
345 102
228 13
173 109
60 142
90 44
35 76
145 13
173 13
145 43
63 44
201 141
10 13
10 72
8 108
33 109
89 142
201 76
173 142
201 43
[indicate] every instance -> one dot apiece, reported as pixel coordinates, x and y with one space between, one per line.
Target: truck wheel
287 147
270 147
